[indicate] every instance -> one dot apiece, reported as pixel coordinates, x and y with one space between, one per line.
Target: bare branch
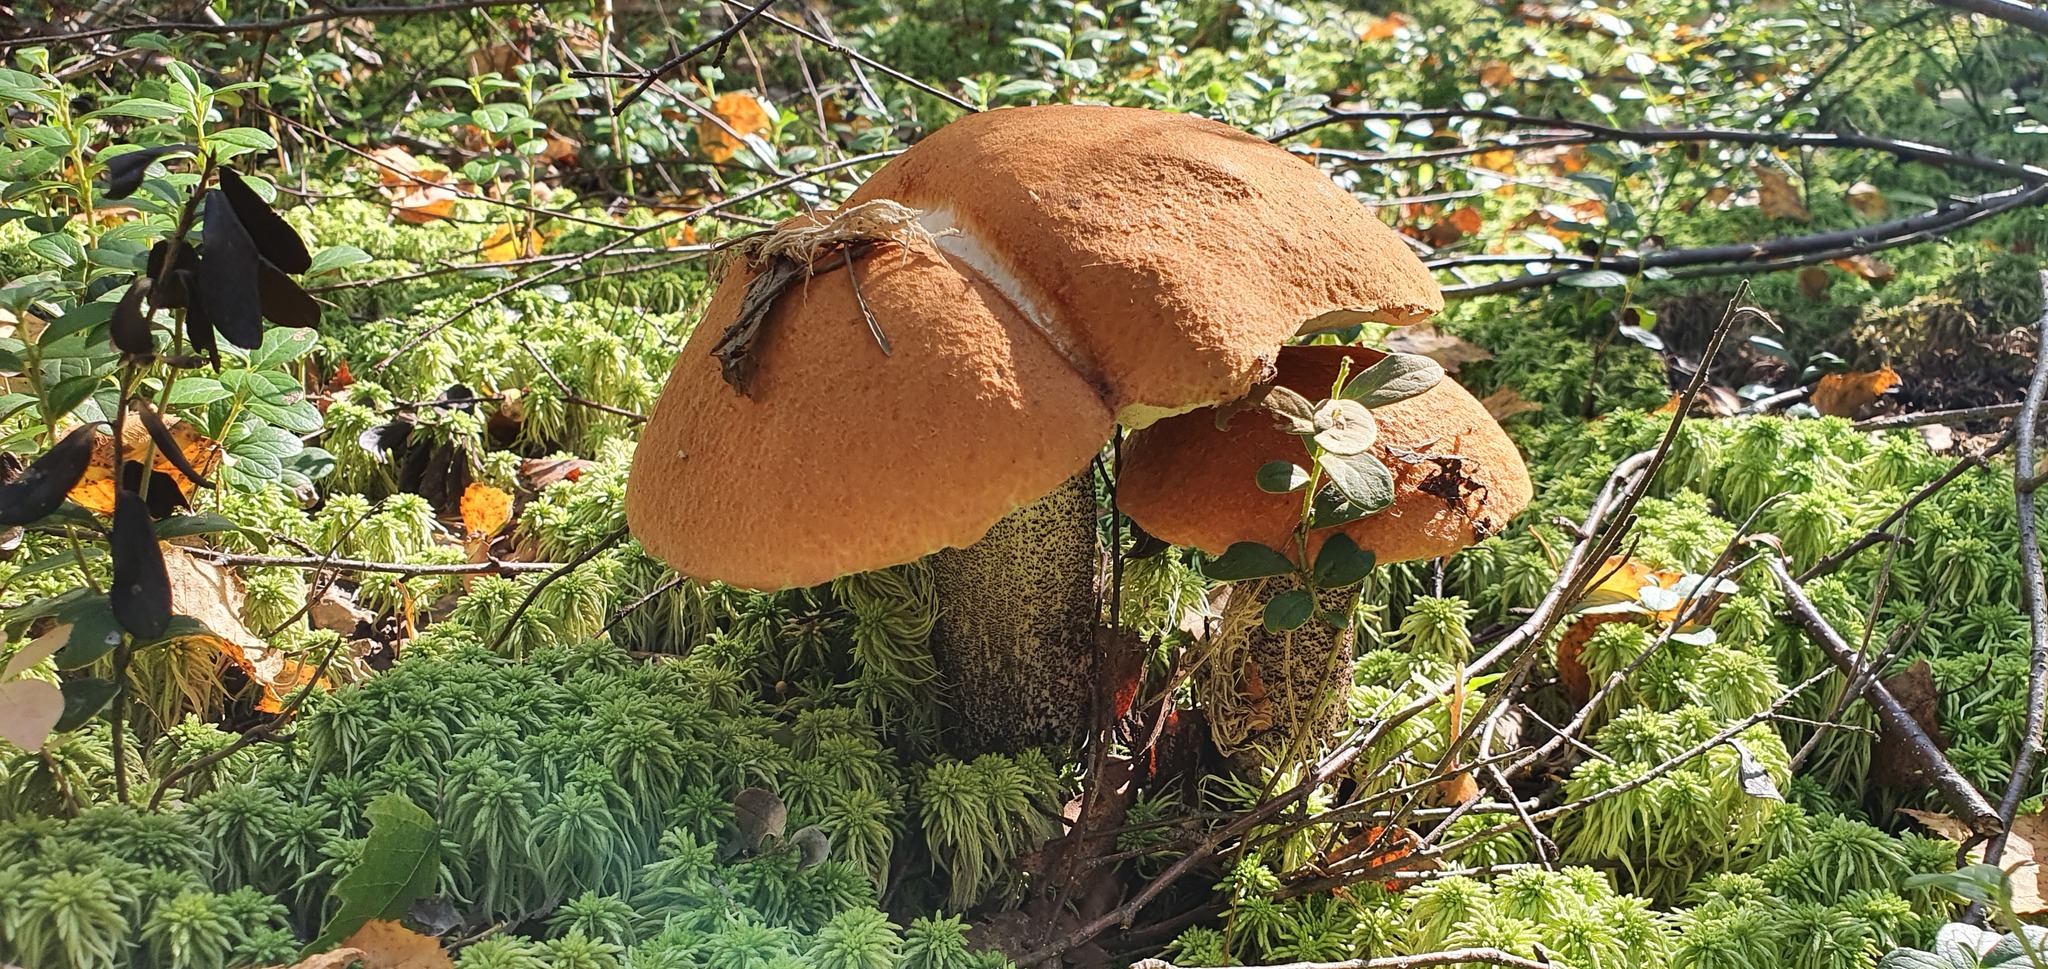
2011 11
266 27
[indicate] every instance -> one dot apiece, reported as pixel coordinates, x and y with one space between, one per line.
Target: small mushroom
944 387
1457 479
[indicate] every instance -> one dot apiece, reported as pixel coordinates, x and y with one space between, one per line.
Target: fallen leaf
385 944
1571 647
213 596
741 112
96 489
1507 402
1425 339
485 509
506 243
1501 160
395 165
1875 270
29 710
539 473
419 192
1385 27
1496 74
499 58
331 959
1776 196
1865 200
1892 761
1851 394
1814 282
2022 849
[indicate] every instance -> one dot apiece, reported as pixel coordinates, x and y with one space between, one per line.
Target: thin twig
571 396
667 67
859 58
2032 589
1961 415
2011 11
1881 532
1963 799
259 26
488 567
512 621
1425 960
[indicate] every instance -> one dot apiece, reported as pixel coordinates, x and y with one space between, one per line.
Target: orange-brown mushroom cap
844 458
1188 483
1167 256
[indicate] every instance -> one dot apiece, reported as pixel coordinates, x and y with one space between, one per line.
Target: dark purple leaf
39 490
228 287
129 326
275 238
141 592
284 303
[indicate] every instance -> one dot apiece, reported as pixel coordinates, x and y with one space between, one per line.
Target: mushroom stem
1015 637
1275 697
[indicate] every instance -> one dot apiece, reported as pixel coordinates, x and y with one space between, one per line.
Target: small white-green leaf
1297 415
1398 377
1345 426
1281 477
1362 479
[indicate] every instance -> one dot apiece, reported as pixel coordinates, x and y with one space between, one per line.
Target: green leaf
147 108
1398 377
70 393
336 257
242 141
281 346
83 699
1289 610
1281 477
1341 562
1331 509
59 249
1362 479
400 863
1345 427
79 318
1294 410
195 391
185 526
1246 560
94 633
19 619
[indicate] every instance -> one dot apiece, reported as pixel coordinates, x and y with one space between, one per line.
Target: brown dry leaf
1814 282
741 112
501 58
29 710
1496 74
385 944
95 490
561 149
506 243
539 473
1849 394
1871 268
2019 858
420 192
1507 402
1892 762
422 204
1426 340
213 596
1777 197
1385 27
1867 201
485 509
1571 670
395 165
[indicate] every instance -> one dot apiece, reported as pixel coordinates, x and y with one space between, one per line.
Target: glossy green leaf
1289 610
1246 560
1362 479
401 861
1282 477
1340 562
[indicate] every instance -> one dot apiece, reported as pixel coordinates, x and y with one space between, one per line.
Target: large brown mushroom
1046 273
1188 481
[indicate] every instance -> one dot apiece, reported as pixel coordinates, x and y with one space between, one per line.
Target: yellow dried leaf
1776 196
741 112
1875 270
1814 282
485 509
385 944
213 596
1496 74
1500 160
95 490
1385 27
507 243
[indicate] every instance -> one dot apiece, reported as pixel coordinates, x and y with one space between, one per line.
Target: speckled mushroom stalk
1457 479
1078 267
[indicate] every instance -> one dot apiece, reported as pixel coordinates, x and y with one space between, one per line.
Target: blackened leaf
125 172
82 700
167 445
198 320
385 438
1341 562
227 276
129 326
284 303
275 238
37 491
173 294
141 592
1289 610
1246 560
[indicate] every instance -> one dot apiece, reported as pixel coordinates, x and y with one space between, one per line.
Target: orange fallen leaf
1501 160
341 958
1875 270
395 165
1496 74
741 112
1507 402
1385 27
1849 394
385 944
485 508
1776 196
95 490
